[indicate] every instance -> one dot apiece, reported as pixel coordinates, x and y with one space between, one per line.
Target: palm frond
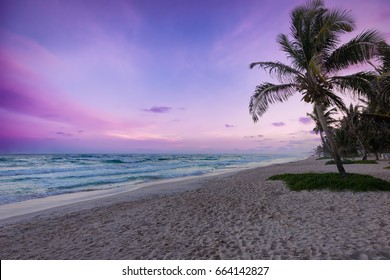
293 51
384 56
379 116
301 29
315 67
330 112
334 100
331 25
282 72
302 17
266 94
358 50
359 84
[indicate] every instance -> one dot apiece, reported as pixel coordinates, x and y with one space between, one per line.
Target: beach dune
238 215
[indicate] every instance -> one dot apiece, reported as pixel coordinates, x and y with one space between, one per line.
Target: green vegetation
387 167
365 162
347 161
332 181
322 158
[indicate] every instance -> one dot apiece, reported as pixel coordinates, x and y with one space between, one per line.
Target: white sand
232 216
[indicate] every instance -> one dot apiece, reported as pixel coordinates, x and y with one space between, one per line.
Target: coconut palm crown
316 57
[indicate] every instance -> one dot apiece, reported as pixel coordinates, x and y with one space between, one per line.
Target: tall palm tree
316 60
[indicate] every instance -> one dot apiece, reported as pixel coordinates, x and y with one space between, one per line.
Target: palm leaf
379 116
360 49
359 84
328 98
266 94
331 25
293 52
283 72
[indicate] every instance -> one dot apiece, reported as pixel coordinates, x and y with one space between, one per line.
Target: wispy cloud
33 96
278 124
296 142
158 109
229 125
305 120
254 136
144 136
63 133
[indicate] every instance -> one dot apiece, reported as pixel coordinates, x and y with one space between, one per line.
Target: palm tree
376 115
345 144
315 61
318 129
357 128
379 100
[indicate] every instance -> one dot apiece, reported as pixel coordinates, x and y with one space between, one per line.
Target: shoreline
239 215
17 211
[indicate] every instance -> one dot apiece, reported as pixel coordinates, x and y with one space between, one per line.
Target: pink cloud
278 124
156 109
14 125
229 125
36 101
35 108
252 136
305 120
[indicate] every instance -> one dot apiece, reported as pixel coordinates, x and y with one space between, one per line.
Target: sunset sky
150 76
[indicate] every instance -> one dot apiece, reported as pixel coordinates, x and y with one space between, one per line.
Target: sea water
24 177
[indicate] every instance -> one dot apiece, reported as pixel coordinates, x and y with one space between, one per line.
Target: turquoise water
24 177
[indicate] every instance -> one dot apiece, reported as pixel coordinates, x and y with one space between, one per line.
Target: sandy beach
237 215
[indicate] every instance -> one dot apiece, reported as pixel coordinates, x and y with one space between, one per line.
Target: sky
145 76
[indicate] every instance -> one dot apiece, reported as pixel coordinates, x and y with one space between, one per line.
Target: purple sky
149 76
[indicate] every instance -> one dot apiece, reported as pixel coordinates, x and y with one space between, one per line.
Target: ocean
24 177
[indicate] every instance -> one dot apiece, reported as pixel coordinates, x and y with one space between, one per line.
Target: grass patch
321 158
333 182
365 162
345 161
387 167
348 161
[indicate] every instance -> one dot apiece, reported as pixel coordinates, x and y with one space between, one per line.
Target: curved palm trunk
332 143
